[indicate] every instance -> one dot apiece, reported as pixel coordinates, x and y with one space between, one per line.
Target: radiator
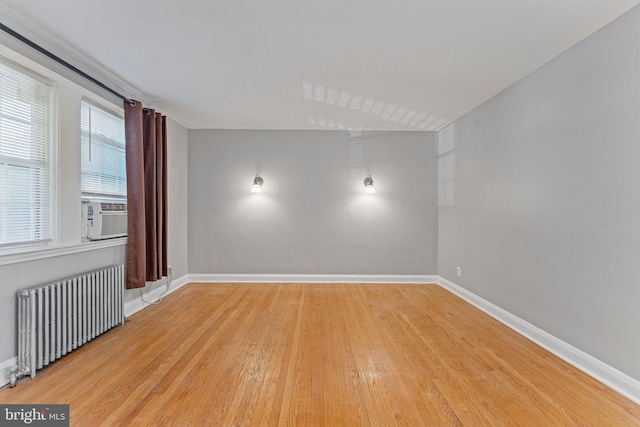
56 318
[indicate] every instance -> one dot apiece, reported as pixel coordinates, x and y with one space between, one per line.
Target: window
447 166
26 153
103 169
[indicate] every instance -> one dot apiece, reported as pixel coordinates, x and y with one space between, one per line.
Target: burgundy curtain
146 153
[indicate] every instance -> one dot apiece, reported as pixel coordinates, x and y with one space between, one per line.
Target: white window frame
50 165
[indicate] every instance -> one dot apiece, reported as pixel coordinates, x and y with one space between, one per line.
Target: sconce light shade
368 185
257 184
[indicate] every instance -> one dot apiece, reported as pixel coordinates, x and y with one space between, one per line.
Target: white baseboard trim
157 291
619 381
599 370
310 278
4 370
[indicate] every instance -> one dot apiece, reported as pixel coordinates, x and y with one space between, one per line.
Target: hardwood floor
319 355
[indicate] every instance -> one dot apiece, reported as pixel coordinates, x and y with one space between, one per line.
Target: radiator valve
15 373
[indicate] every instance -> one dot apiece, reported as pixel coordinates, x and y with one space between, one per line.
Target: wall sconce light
368 185
257 184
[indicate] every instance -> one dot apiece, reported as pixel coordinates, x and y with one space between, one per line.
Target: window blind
447 166
103 168
26 147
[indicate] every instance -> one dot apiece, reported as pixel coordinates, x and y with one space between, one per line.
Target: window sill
66 250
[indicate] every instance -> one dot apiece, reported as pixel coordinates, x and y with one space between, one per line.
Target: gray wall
25 274
177 250
546 215
313 216
20 275
177 163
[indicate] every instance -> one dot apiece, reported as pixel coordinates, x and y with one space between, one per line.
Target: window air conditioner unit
106 220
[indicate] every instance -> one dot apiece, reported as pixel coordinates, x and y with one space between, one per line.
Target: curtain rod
61 61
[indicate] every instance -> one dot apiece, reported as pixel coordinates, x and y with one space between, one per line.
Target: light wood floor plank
320 355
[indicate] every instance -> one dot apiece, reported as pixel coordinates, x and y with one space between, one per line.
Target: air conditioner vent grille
106 220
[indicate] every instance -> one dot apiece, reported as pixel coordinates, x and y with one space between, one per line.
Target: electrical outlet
458 271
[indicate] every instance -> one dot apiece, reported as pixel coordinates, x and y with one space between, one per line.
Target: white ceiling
299 64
